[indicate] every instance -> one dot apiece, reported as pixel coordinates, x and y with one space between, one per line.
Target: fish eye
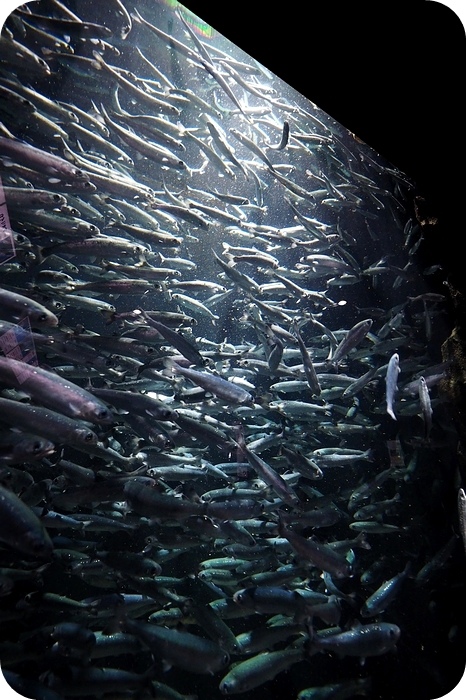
42 317
37 447
225 688
226 659
89 437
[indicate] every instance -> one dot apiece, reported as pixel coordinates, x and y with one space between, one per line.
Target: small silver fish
391 379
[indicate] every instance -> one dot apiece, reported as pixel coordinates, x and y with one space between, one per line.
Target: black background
391 73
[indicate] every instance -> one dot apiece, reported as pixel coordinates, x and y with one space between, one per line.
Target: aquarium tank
228 440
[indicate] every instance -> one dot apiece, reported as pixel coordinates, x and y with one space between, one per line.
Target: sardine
391 378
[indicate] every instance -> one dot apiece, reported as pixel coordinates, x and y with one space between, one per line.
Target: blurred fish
383 596
343 690
364 640
21 529
216 385
462 514
16 306
316 553
37 159
47 423
352 338
181 649
53 391
255 671
426 406
16 448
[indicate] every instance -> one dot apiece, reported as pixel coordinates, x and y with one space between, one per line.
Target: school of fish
221 415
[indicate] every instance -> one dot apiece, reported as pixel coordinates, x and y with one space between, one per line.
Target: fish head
40 448
86 436
221 660
393 632
99 413
228 686
43 317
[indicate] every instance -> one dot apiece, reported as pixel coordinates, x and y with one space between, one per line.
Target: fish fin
109 316
170 364
48 250
310 646
408 571
98 60
362 542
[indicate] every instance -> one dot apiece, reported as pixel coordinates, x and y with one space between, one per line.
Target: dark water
363 213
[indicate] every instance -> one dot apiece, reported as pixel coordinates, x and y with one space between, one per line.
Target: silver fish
391 378
53 391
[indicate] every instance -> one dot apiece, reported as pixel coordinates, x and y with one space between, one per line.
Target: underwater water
234 470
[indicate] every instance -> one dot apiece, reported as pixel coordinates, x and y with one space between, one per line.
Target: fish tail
99 61
391 413
310 647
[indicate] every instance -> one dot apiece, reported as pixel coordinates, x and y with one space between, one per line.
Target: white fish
391 379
